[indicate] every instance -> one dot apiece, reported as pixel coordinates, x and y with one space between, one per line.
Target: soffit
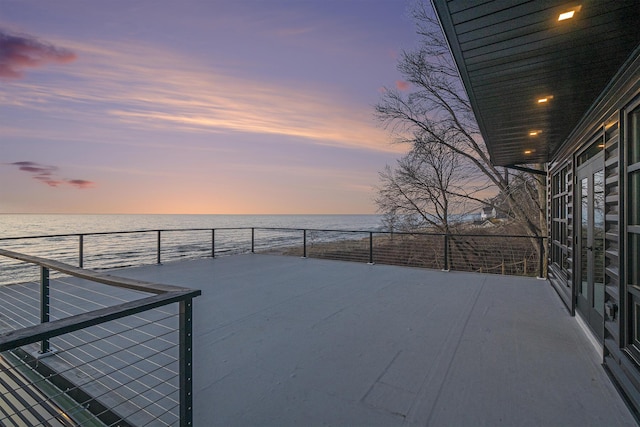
512 53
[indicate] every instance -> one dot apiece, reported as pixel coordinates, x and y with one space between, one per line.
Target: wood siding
606 117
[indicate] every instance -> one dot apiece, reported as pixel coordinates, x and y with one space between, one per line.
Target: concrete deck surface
284 341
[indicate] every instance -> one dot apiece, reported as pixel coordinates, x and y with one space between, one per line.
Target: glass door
590 244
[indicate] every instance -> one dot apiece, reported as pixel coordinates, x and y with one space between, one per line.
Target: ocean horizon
27 224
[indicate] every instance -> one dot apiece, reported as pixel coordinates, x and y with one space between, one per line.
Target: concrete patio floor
285 341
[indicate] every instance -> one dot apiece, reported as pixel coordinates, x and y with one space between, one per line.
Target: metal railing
74 352
485 253
78 353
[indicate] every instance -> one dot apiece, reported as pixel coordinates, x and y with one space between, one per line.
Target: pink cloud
47 175
18 53
81 183
402 85
51 182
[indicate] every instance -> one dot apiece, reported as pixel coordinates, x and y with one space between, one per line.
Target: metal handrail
164 295
448 237
44 331
424 233
94 276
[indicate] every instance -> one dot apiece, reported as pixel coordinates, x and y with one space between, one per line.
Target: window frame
560 193
631 229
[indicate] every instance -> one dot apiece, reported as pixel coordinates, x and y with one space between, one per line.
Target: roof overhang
513 54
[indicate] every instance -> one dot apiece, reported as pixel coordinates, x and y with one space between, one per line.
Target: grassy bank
486 251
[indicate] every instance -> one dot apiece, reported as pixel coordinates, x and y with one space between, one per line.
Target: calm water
123 250
37 225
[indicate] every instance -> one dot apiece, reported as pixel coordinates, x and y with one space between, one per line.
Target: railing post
81 252
304 243
541 258
213 243
159 247
446 252
253 233
370 247
44 305
185 362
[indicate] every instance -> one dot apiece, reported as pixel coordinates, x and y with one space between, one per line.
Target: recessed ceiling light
528 151
535 132
566 15
545 99
569 13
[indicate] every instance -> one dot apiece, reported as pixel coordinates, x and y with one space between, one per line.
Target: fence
82 347
88 348
484 253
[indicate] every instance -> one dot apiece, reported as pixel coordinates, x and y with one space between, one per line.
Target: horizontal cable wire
131 377
169 410
154 322
124 349
78 287
132 345
131 380
108 367
104 294
119 389
128 401
16 307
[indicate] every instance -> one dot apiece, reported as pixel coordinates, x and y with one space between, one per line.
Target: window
634 137
590 152
635 339
633 199
632 228
559 207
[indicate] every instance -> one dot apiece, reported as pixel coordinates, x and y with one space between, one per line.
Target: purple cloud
20 52
47 175
35 168
81 183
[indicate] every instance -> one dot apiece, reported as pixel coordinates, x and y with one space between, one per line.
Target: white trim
598 347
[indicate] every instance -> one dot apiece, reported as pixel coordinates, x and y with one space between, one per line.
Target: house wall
605 123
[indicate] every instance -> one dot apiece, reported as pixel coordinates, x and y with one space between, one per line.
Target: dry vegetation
486 251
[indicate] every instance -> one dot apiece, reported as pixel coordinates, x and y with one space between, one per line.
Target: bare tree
436 118
426 187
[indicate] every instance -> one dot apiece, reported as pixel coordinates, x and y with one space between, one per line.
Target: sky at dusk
208 107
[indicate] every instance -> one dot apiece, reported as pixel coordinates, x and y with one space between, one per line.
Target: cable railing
89 348
83 347
485 253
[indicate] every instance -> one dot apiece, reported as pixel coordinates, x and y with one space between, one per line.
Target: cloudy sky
196 106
